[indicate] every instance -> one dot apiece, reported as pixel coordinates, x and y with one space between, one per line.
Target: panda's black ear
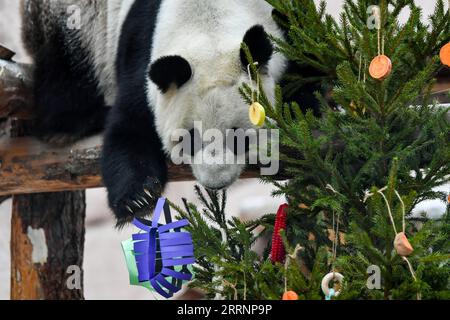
170 70
259 44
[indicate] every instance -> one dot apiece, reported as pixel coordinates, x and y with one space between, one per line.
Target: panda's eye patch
170 70
259 45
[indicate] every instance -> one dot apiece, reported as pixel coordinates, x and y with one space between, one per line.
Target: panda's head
201 86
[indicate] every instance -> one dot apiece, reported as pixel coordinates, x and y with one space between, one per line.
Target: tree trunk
47 243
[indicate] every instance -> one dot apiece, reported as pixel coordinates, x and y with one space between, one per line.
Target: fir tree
228 266
383 135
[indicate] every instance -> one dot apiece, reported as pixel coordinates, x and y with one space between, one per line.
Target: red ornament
278 253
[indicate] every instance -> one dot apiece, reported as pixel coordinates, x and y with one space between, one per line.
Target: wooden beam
29 166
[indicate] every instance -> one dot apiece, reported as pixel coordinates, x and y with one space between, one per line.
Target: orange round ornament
380 67
290 295
445 54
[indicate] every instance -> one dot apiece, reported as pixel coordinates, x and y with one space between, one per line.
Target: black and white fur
160 65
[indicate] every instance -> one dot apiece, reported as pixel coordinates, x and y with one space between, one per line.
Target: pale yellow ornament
257 114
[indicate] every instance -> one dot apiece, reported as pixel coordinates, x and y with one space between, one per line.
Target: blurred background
105 273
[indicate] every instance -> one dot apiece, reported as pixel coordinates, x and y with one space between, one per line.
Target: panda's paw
138 202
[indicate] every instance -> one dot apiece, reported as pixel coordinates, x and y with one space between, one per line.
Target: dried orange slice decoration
380 67
257 114
445 54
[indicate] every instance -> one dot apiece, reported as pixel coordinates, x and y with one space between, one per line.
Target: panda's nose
236 141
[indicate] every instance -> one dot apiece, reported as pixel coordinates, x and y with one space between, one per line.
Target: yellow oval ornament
257 114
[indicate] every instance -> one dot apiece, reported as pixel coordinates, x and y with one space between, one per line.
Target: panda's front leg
133 164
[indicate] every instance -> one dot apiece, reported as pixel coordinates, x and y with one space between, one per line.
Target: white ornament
336 276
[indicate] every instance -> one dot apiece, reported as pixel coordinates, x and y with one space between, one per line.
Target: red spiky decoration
278 253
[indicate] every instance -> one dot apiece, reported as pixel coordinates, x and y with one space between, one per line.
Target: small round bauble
290 295
380 67
257 114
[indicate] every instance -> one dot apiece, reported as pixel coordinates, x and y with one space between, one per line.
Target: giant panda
139 69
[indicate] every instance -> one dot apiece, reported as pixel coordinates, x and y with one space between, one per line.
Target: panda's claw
154 185
144 200
138 202
129 209
148 193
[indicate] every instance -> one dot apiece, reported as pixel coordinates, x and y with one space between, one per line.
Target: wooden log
29 166
15 90
47 243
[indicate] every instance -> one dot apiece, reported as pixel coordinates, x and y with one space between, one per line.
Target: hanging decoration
278 253
333 275
325 285
158 258
290 295
401 243
381 66
256 112
355 106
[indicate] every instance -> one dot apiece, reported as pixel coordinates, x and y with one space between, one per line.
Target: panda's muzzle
238 145
234 143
